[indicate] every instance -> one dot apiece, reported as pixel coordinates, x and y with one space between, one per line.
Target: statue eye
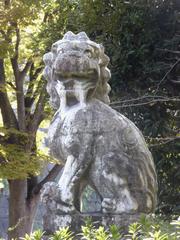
54 48
60 51
88 52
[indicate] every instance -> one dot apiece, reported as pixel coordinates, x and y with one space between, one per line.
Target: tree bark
23 203
21 209
9 118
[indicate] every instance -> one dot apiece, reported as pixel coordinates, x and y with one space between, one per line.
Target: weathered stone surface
76 220
98 146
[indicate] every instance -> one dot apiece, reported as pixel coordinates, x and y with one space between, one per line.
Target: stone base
52 222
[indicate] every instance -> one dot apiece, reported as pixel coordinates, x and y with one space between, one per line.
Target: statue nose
75 53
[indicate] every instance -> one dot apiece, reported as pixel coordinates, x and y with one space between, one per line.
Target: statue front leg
59 196
65 183
116 204
71 177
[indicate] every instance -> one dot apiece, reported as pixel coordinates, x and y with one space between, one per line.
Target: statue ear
48 59
54 48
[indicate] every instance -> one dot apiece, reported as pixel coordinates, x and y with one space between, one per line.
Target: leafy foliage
148 228
18 162
61 234
22 103
37 235
22 89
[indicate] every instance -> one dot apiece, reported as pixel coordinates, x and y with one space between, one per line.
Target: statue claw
108 205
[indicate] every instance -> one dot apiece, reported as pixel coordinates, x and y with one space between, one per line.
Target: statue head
76 71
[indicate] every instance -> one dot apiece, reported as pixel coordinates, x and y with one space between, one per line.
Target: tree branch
148 100
2 139
7 3
164 141
3 34
168 72
30 97
168 51
50 177
175 81
19 81
17 41
2 159
14 59
26 68
9 118
12 85
20 103
38 113
37 72
147 103
138 99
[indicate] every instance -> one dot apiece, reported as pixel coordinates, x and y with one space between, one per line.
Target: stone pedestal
76 220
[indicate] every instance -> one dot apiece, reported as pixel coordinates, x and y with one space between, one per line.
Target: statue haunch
98 146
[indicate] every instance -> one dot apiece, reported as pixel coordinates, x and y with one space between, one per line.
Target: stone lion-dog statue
98 146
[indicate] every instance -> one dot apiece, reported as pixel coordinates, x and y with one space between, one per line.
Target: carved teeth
75 74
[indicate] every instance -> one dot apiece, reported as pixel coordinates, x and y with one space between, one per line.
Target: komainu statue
99 146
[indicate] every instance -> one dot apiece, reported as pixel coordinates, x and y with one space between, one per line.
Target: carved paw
62 207
108 205
64 201
49 192
54 197
65 196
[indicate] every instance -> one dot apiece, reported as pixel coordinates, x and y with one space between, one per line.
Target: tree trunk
21 209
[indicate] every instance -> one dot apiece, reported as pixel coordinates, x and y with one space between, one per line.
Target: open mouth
69 76
75 88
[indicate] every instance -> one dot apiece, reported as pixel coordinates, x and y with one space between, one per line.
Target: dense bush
148 228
